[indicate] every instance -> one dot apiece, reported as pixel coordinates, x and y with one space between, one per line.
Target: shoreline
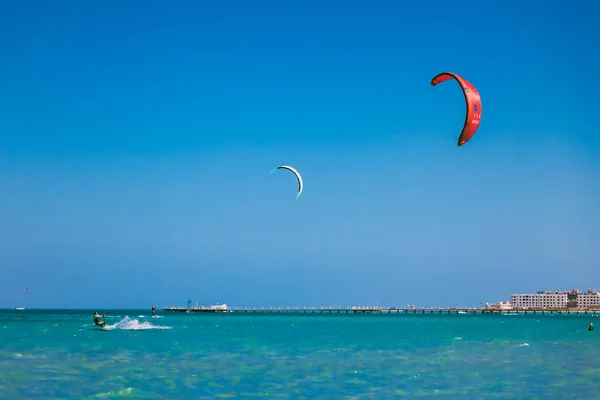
379 310
325 311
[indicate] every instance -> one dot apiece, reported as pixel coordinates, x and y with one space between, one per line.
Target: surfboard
99 328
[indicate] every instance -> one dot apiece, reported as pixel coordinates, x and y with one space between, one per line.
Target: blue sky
136 141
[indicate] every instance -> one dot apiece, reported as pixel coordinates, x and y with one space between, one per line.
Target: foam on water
134 325
121 392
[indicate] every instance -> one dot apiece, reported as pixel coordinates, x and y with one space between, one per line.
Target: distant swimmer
154 311
591 328
98 321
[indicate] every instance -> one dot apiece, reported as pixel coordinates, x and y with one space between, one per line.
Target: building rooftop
558 291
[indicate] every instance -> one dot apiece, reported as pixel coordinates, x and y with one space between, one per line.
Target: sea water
61 355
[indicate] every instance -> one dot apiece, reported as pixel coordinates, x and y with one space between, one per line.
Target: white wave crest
133 325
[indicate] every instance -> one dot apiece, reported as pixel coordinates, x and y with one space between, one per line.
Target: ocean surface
61 355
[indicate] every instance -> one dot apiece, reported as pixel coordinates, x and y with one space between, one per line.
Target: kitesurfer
153 311
591 328
98 321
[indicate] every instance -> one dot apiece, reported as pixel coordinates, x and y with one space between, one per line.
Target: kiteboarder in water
98 321
154 311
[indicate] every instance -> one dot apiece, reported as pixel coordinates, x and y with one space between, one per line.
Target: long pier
380 310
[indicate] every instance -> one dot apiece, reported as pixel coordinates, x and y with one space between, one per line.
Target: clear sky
136 141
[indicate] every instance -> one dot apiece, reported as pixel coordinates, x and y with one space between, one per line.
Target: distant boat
19 308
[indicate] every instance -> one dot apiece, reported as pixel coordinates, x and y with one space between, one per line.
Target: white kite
300 184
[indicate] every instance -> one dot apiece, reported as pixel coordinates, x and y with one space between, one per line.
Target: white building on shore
499 306
558 299
546 299
589 299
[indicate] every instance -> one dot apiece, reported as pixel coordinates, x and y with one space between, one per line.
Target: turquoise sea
59 354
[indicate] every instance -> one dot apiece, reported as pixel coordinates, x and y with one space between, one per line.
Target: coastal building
540 299
222 307
589 299
499 306
556 300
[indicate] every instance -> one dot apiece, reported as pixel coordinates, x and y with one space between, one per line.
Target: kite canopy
300 183
473 101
